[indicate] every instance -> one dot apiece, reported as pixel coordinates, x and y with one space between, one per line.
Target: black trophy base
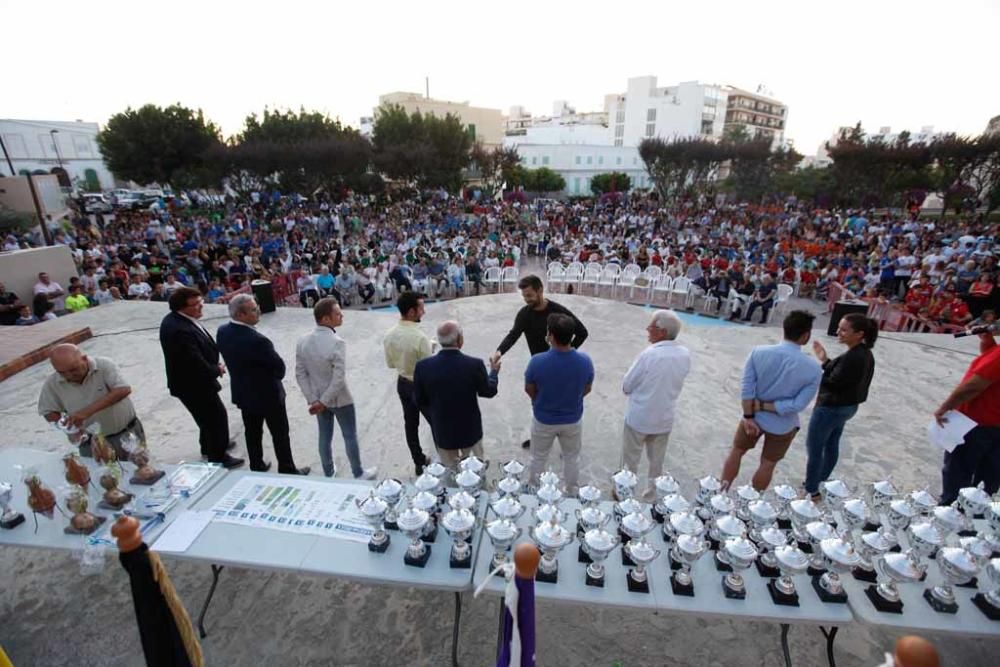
971 583
12 522
582 556
869 527
70 530
733 594
674 565
657 517
460 564
881 603
623 537
720 566
827 596
713 544
391 525
681 589
636 586
991 612
579 533
865 575
766 571
896 549
784 599
597 582
547 577
938 605
429 538
379 548
967 533
626 560
418 562
147 481
804 547
815 571
785 524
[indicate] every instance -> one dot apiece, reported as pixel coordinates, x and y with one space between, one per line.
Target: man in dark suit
446 386
193 372
256 372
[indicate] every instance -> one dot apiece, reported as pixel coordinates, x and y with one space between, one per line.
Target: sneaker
369 473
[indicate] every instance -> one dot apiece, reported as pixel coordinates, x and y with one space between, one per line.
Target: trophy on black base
588 518
708 486
374 509
745 495
791 562
783 495
597 543
412 523
390 490
502 534
957 567
723 528
459 524
739 553
550 537
642 554
9 518
893 568
427 502
870 546
686 551
768 540
817 531
623 484
989 603
664 485
837 555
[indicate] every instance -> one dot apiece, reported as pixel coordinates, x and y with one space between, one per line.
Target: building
925 135
643 111
563 116
578 163
993 127
67 149
485 125
760 115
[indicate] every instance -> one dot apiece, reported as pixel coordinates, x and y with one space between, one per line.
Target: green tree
873 172
427 151
615 181
494 166
163 145
682 167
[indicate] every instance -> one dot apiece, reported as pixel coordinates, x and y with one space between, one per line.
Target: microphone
975 331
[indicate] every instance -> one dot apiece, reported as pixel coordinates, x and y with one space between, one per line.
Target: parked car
95 202
127 200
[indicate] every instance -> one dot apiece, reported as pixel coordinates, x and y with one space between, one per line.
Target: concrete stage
271 619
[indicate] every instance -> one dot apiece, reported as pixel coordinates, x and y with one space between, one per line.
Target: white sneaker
369 473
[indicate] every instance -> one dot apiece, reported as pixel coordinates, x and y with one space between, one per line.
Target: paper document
182 533
952 434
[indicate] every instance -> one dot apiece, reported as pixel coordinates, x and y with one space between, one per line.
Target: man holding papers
977 397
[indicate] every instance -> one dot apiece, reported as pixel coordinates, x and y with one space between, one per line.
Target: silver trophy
833 493
768 540
412 521
513 468
550 478
546 513
925 539
550 537
589 495
784 494
502 533
721 529
977 547
837 556
461 500
745 495
880 494
708 486
989 602
817 531
680 523
469 481
893 569
870 546
641 553
922 501
674 503
974 501
950 520
685 552
623 484
738 553
9 518
590 517
435 469
374 510
508 486
992 532
390 490
507 507
427 502
598 544
957 566
549 494
664 486
474 464
802 512
636 525
459 525
762 514
428 483
898 516
791 562
629 506
721 504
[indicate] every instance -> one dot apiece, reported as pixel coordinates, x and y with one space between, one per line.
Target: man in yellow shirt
76 301
405 344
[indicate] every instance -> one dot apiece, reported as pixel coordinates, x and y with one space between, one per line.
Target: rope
181 618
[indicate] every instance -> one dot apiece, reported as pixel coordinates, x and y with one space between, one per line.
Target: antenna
427 87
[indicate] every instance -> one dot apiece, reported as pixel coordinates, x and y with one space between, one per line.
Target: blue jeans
823 442
345 417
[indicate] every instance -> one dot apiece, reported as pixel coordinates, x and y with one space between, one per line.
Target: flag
517 647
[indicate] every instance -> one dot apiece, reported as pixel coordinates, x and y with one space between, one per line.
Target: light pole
55 145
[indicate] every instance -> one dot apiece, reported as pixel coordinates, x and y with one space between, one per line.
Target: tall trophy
427 502
989 603
502 533
925 539
390 490
685 552
838 556
724 528
880 494
412 522
469 481
803 512
768 541
791 562
374 509
641 553
957 566
550 538
817 531
681 523
9 518
598 544
898 516
664 486
634 526
745 495
623 484
589 518
784 494
739 553
708 486
459 524
893 569
623 508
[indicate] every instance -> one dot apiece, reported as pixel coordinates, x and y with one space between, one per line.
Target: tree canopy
425 150
614 181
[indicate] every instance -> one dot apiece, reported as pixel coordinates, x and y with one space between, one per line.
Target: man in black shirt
9 306
532 321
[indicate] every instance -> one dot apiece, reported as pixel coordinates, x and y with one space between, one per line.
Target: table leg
784 644
503 606
216 570
456 629
830 636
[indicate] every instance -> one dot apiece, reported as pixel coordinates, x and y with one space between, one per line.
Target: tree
542 179
494 166
428 151
162 145
615 181
681 167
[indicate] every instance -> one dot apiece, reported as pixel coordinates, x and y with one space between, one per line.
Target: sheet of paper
952 434
182 533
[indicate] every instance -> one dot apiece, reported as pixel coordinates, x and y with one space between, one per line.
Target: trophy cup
428 483
957 566
9 518
589 518
978 548
641 553
506 507
474 464
549 494
502 533
548 478
633 526
82 522
374 509
435 469
989 603
629 506
745 495
992 532
550 537
469 482
783 495
680 523
725 527
508 486
461 500
870 546
899 515
623 484
817 531
922 501
114 498
685 552
739 553
974 502
598 544
459 524
589 495
893 569
672 504
925 539
768 541
761 515
854 513
412 521
708 486
721 504
802 512
664 485
513 468
546 513
791 562
390 490
833 494
422 500
837 556
880 494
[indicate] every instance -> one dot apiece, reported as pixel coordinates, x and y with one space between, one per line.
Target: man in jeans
556 381
321 371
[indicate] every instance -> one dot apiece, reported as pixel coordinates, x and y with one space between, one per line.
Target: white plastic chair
781 302
664 284
591 275
491 277
682 286
555 275
573 275
627 278
510 274
652 272
609 277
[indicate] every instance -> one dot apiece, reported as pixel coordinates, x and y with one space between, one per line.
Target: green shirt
75 303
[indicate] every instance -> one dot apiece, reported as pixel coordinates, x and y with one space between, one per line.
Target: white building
925 135
67 149
643 111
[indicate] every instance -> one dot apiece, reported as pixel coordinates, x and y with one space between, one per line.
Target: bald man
89 390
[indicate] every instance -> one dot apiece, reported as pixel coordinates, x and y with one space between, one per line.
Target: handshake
495 361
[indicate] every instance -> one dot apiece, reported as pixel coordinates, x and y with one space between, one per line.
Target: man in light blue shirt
780 374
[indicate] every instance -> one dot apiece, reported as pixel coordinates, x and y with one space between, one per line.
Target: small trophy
739 553
957 567
507 507
598 544
374 509
893 569
724 528
428 483
550 537
459 524
549 494
461 500
629 506
435 469
791 562
508 486
837 555
672 504
834 493
623 484
589 495
469 482
642 553
989 603
925 539
513 468
587 519
412 522
114 498
870 546
816 532
502 534
685 552
898 516
802 512
768 541
682 523
390 490
761 514
474 464
82 522
783 495
880 495
745 495
634 526
9 518
708 486
664 486
721 504
427 502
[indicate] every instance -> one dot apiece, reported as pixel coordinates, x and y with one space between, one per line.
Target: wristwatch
747 416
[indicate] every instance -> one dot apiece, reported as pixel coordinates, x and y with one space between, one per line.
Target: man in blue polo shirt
556 381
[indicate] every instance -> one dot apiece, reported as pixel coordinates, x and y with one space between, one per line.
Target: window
600 159
590 159
534 159
618 142
650 129
82 145
576 185
651 115
618 160
577 160
15 145
620 115
619 131
472 132
545 159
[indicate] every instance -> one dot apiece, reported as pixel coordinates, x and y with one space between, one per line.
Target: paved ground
50 615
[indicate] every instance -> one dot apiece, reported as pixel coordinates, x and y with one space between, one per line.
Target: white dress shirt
653 384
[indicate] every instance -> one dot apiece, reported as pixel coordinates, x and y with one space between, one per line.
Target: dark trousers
976 460
366 292
277 424
213 423
411 419
307 296
765 307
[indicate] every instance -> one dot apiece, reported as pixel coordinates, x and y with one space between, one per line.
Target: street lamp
55 145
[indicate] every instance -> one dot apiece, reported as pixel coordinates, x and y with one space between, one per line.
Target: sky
881 62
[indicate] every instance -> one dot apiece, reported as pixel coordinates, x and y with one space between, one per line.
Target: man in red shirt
919 296
948 309
977 396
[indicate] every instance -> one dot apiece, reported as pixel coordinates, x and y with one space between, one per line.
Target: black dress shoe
264 468
231 462
304 470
